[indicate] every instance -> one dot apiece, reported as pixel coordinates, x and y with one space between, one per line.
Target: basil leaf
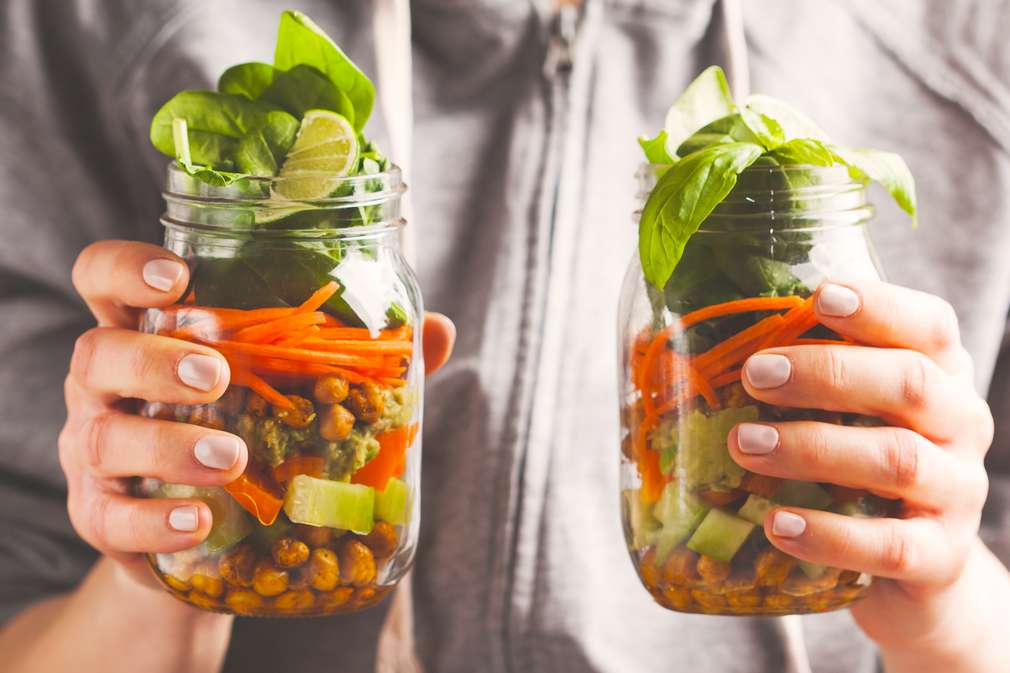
304 88
803 151
215 121
886 168
707 98
655 149
682 199
743 127
301 42
247 79
794 123
701 140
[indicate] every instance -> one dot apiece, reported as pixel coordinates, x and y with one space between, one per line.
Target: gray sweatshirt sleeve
996 518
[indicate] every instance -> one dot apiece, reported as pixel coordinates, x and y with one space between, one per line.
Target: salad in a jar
289 219
747 209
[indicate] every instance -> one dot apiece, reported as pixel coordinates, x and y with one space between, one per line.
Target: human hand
910 370
103 444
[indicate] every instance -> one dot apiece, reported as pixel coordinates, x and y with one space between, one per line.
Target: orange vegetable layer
255 499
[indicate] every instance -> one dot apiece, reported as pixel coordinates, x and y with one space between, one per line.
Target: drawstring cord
397 650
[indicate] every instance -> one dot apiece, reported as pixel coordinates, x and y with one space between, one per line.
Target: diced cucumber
703 457
333 504
231 523
811 570
755 509
679 512
265 536
639 517
392 504
802 494
720 535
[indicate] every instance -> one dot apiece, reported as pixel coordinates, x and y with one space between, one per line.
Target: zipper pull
564 31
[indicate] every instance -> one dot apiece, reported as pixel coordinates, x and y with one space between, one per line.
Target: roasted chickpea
708 601
747 599
713 571
270 581
678 598
357 564
256 405
365 596
300 417
314 536
177 584
208 416
289 552
330 389
681 568
647 569
295 601
324 570
382 540
336 599
772 567
209 584
777 601
801 585
243 601
203 601
336 423
366 402
238 565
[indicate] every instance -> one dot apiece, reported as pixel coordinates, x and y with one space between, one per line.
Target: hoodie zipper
561 50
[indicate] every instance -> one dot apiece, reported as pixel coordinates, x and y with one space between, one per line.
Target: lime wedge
330 142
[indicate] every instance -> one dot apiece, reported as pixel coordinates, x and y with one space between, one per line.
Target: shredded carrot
319 297
822 342
702 385
402 333
298 337
726 378
206 322
264 332
245 378
297 354
735 349
357 346
739 306
652 477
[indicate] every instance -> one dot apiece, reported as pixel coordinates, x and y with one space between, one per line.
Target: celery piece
333 504
393 503
720 535
755 509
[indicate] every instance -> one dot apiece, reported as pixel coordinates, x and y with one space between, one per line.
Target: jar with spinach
740 224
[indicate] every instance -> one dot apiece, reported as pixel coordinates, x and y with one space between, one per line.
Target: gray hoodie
523 160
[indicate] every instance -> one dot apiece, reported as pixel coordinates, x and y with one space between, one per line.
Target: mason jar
318 316
693 518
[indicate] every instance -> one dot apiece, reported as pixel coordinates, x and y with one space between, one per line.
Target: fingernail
162 274
768 371
185 519
787 524
757 439
218 452
200 371
837 301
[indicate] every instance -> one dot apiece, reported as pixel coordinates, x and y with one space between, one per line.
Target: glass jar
319 318
693 519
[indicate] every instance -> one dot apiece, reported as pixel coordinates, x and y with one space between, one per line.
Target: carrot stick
216 321
796 322
392 382
360 333
264 332
319 297
299 369
724 355
701 385
739 306
726 378
245 378
297 354
359 346
822 342
298 338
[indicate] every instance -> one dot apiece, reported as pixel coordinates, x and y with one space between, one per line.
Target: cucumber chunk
231 523
803 494
755 509
393 503
679 513
639 519
720 535
333 504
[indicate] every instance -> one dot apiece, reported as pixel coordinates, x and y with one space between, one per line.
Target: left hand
910 370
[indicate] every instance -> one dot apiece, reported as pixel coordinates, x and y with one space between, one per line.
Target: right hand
103 443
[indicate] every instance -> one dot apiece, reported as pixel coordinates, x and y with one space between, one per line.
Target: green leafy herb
247 79
803 151
655 149
706 99
682 199
301 42
887 168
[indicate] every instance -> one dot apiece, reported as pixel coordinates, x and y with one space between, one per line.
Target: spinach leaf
655 149
887 168
706 98
803 151
304 88
215 123
756 275
682 199
247 79
232 283
262 150
301 42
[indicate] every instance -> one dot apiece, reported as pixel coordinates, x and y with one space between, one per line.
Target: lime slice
329 140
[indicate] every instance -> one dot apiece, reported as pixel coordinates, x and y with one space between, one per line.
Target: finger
123 445
119 523
114 277
913 550
891 462
438 340
108 362
901 386
880 314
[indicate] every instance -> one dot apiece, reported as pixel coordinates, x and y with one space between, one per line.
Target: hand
102 444
910 370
